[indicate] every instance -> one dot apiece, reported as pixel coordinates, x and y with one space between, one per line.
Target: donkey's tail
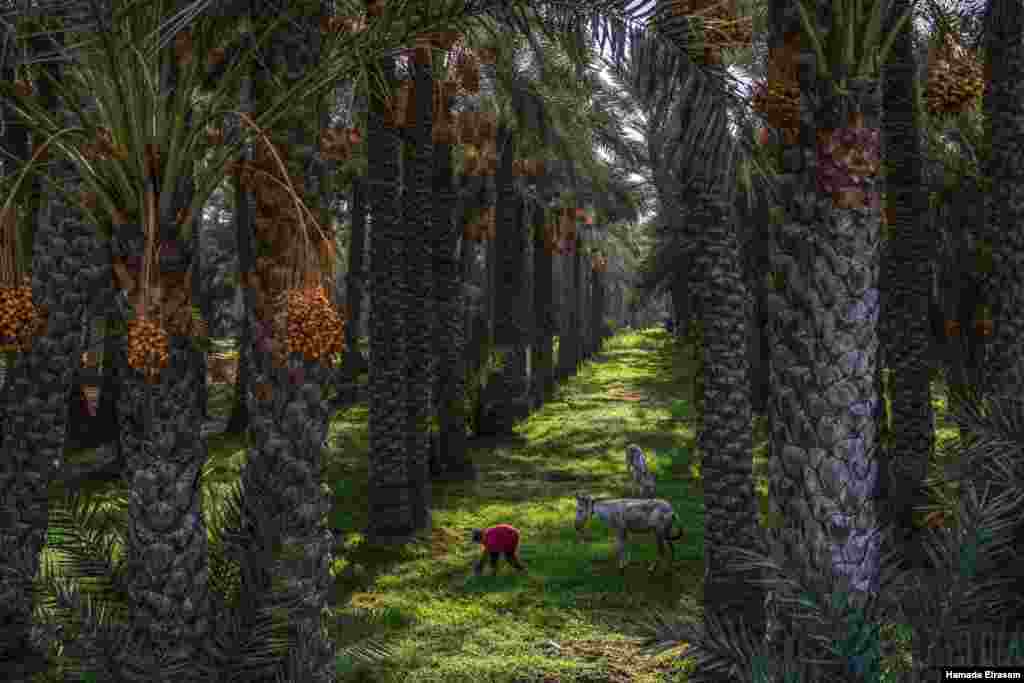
678 535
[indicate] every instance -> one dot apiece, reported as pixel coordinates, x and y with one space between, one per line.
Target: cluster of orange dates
147 346
955 79
303 319
20 320
313 327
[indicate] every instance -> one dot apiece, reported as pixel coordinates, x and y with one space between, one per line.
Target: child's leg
514 561
494 562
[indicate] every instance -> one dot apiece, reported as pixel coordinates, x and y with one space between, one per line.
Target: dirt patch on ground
623 659
443 540
623 394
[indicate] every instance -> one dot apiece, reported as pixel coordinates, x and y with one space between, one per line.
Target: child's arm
479 564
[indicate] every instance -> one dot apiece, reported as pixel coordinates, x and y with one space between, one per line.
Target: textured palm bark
596 310
730 503
166 553
452 457
282 479
578 307
32 450
1004 105
390 479
66 263
167 544
353 361
544 308
418 295
507 396
566 364
822 465
904 303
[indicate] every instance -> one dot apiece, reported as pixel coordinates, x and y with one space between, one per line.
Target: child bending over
502 539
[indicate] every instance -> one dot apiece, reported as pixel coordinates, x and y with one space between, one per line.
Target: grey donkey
630 514
636 463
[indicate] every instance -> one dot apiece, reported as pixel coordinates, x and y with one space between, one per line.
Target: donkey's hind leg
661 552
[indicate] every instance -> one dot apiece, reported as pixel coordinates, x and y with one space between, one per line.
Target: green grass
439 622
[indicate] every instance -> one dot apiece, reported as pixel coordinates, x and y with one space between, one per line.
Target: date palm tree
908 276
418 292
452 457
36 424
353 361
391 513
546 322
1005 22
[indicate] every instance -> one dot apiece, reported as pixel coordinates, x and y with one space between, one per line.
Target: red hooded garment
502 538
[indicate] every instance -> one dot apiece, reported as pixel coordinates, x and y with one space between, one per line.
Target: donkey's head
584 509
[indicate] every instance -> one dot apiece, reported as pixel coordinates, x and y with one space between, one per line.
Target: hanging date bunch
778 98
847 159
715 25
313 327
147 338
293 311
599 262
955 78
20 320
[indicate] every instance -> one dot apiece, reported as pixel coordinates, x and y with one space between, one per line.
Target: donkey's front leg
622 549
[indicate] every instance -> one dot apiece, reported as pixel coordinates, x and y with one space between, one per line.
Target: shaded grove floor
417 613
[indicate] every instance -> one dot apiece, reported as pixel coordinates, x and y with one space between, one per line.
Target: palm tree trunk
36 422
452 460
508 394
353 360
727 440
908 277
166 553
419 297
238 422
544 310
285 499
576 326
1004 106
566 348
390 495
1005 109
823 469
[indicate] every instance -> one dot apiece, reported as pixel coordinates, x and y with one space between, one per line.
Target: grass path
572 617
446 625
